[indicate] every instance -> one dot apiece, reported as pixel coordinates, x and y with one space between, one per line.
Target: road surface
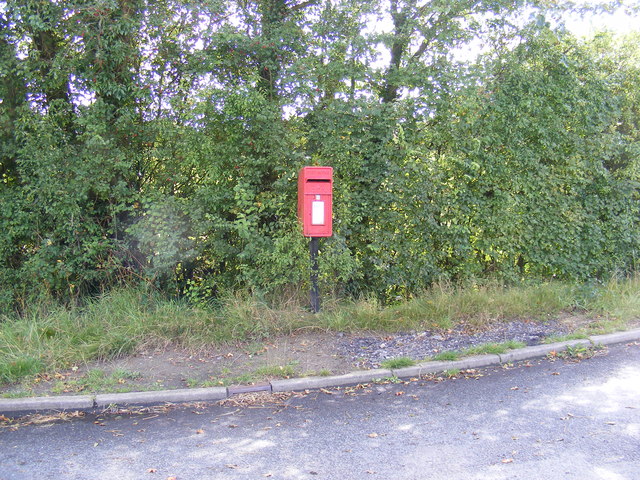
546 419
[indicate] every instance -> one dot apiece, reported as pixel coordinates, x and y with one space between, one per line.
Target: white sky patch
620 22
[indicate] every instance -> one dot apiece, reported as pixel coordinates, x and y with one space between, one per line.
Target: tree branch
301 6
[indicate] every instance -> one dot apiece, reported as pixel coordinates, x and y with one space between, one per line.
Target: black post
315 294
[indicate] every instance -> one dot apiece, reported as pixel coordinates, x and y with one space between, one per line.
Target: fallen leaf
232 425
172 478
555 373
399 394
515 388
507 460
267 474
199 431
231 465
151 470
372 435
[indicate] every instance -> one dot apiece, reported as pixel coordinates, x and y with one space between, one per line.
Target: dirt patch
173 367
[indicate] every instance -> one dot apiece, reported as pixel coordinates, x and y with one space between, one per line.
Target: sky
620 22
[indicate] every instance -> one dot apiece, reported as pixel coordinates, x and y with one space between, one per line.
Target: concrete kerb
34 404
88 402
309 383
618 337
162 396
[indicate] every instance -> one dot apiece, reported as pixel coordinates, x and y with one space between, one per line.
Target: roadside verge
88 402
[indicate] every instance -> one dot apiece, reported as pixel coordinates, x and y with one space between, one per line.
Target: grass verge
49 337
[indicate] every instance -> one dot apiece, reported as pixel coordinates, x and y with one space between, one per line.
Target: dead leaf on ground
151 470
372 435
199 431
507 460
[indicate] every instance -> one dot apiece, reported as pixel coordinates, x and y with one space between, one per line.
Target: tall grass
445 304
619 298
48 336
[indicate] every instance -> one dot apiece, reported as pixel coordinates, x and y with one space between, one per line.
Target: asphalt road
545 420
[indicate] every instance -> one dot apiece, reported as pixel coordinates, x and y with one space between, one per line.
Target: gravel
371 351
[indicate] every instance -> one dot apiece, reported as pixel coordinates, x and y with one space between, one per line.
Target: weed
255 348
579 352
320 373
446 356
564 338
192 383
494 348
453 372
605 325
386 380
20 394
280 371
97 380
399 362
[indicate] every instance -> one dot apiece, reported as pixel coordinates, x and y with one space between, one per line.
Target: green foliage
96 380
19 367
140 143
399 362
494 348
446 356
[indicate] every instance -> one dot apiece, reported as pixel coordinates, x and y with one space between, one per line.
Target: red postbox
315 198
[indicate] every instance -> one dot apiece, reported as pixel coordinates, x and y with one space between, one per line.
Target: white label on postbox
317 213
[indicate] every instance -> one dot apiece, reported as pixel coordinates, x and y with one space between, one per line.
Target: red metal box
315 201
